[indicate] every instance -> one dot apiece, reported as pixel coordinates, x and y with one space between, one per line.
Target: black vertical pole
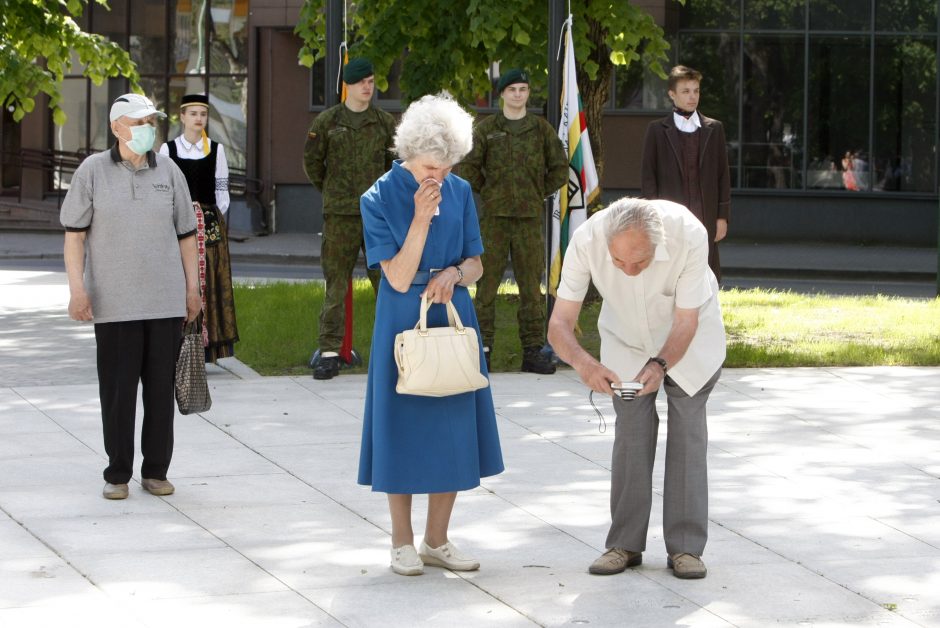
556 20
334 37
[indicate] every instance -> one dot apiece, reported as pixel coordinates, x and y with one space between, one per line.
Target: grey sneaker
615 560
114 491
686 566
157 487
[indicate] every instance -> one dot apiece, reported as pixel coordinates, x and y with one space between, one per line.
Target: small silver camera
627 390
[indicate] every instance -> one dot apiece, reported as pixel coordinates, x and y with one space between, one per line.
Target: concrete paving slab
824 502
444 600
37 580
176 574
122 533
247 610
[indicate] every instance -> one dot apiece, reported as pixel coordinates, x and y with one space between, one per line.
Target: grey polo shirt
134 220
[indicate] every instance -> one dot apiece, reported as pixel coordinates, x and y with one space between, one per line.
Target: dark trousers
130 352
342 239
521 239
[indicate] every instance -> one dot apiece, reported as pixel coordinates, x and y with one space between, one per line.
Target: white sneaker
448 557
405 561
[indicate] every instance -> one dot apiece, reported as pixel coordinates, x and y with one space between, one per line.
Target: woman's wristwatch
661 362
459 273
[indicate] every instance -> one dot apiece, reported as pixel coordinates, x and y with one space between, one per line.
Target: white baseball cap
134 106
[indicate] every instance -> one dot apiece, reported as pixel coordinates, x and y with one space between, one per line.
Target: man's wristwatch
661 362
459 273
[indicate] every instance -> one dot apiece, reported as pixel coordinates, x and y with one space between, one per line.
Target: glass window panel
716 57
776 14
101 98
905 141
318 83
392 96
772 112
229 37
71 136
838 112
228 106
112 24
840 15
188 36
637 88
710 14
906 15
148 36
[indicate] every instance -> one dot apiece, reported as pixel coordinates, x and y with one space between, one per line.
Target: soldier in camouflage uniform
516 162
347 149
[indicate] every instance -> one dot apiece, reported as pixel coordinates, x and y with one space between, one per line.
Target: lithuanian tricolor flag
571 202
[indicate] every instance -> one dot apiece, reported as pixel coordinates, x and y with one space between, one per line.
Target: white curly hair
436 127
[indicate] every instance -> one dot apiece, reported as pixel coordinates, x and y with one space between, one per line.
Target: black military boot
534 361
326 368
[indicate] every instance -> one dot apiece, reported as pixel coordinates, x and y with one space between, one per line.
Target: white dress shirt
185 150
637 312
687 125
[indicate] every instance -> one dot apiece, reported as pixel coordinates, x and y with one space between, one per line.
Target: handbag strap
453 318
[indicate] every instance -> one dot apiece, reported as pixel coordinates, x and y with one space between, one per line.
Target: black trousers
130 352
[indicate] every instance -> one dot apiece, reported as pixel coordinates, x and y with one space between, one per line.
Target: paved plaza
825 503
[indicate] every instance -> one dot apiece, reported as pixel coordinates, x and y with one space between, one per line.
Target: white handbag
439 361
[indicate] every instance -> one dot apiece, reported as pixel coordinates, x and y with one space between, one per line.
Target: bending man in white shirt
649 261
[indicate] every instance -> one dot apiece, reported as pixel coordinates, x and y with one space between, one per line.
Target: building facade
830 109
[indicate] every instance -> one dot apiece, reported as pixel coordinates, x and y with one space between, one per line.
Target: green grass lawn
277 323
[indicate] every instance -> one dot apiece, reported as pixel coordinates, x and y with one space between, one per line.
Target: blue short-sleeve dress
413 444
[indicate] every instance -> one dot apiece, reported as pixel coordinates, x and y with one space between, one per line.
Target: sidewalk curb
237 368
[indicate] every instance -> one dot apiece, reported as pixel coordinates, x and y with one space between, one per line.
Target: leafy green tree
40 42
454 51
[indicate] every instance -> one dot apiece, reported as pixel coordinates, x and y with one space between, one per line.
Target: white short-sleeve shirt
637 312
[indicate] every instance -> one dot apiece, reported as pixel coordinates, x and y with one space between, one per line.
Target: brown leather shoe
114 491
615 560
686 566
157 487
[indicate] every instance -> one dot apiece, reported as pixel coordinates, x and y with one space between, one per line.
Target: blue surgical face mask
142 138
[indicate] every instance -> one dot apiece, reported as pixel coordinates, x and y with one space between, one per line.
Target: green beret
515 75
356 70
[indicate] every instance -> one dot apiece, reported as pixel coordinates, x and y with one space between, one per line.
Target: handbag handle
453 318
193 327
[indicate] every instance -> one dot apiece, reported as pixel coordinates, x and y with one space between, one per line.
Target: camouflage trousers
342 241
522 239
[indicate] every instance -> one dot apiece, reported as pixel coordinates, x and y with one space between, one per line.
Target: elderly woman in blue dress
421 228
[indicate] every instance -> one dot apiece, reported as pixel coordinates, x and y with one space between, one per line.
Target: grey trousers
685 495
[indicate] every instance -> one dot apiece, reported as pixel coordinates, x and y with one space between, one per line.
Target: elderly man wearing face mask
130 256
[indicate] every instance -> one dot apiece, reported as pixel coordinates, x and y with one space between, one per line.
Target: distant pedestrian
421 228
130 256
205 167
516 162
660 324
685 160
348 147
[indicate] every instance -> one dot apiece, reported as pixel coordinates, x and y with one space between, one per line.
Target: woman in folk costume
206 170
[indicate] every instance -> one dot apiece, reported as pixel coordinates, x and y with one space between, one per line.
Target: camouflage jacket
515 172
344 161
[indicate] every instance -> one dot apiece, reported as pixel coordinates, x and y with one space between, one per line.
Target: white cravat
687 125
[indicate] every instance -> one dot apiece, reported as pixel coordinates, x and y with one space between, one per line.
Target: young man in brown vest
685 160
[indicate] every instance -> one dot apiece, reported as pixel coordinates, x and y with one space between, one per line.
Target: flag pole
556 20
